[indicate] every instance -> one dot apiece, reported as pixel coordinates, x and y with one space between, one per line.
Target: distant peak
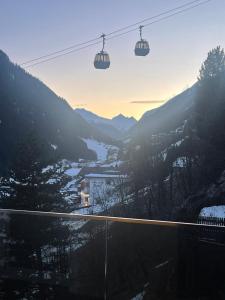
90 116
122 117
80 109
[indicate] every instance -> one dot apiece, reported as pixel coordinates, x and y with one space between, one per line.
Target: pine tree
210 115
31 188
210 100
213 66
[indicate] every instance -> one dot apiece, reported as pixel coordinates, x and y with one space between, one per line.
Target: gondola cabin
102 60
142 48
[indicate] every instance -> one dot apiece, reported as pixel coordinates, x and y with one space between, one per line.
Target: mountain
114 127
167 117
176 151
28 105
108 130
123 123
90 117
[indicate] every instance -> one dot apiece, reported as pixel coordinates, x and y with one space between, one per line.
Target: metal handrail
72 216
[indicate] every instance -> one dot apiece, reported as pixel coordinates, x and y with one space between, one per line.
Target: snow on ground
48 168
164 154
178 143
99 148
139 296
52 181
213 211
180 162
55 147
102 150
72 171
71 186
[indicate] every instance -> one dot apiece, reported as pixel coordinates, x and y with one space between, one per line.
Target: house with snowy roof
97 187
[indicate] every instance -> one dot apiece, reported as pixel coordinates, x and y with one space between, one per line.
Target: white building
99 187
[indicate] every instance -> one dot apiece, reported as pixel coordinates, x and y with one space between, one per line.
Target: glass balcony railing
64 256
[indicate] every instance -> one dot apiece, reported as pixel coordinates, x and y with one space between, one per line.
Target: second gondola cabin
142 46
102 60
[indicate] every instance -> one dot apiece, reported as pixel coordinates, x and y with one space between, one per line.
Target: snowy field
99 148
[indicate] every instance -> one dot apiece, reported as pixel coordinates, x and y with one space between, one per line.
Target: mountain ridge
168 116
27 104
116 126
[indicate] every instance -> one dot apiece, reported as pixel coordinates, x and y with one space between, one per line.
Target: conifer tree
213 66
210 114
210 100
34 188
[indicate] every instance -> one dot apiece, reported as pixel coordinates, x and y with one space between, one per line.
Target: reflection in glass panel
51 258
44 257
158 262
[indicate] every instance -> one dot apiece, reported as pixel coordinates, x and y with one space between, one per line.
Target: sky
132 85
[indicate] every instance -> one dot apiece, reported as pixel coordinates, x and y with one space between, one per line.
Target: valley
162 155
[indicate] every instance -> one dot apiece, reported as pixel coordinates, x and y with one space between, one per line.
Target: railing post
106 258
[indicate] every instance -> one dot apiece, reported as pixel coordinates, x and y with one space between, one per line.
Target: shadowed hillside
28 105
168 116
176 152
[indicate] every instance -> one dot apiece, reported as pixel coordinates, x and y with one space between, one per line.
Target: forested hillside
167 117
176 157
29 106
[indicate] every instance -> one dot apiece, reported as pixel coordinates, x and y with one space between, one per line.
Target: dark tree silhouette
171 168
33 239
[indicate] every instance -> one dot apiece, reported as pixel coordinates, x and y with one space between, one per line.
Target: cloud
147 102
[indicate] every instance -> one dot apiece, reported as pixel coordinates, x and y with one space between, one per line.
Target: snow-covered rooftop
73 171
213 211
93 175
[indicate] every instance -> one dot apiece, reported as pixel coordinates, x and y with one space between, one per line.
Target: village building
97 187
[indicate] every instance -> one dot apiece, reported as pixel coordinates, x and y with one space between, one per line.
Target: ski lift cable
154 17
59 51
63 54
109 38
159 20
110 33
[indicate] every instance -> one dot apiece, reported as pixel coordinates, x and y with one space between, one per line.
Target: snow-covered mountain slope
90 117
28 106
114 127
102 150
35 108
